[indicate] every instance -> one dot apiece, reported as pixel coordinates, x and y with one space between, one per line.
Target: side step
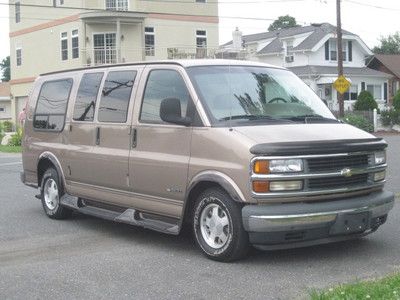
129 216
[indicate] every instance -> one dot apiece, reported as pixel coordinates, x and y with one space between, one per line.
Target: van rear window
52 105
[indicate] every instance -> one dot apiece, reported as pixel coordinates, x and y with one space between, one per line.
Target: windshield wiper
312 119
251 117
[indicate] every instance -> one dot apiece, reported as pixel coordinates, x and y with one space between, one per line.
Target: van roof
184 63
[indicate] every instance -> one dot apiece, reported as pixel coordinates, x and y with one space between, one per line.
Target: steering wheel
277 99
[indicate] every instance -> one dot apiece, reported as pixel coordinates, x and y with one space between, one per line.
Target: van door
80 131
160 155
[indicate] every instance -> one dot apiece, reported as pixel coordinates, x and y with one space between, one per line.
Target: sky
370 19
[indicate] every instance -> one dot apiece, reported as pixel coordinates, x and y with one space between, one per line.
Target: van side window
115 96
85 102
162 84
52 105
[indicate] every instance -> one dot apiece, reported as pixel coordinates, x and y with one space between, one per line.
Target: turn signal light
261 167
261 186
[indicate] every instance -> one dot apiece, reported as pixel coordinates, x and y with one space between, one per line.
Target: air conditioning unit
289 58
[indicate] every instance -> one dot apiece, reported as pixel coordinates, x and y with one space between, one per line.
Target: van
242 153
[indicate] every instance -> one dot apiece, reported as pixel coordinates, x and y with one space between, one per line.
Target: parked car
243 153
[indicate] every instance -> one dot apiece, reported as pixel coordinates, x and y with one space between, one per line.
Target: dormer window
331 50
121 5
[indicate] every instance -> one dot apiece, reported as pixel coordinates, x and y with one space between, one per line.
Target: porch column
118 41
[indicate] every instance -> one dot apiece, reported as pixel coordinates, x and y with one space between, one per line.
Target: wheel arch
47 160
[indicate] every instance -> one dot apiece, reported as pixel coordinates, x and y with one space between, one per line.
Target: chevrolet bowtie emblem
346 172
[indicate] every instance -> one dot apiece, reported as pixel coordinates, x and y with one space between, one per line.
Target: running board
129 216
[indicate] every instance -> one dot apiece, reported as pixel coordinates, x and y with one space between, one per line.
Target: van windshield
238 95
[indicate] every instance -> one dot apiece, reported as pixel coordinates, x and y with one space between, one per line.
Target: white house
311 53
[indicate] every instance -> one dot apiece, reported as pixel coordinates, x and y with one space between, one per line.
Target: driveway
89 258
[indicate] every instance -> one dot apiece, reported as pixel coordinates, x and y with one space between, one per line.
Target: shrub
390 117
365 101
359 122
16 139
7 126
396 101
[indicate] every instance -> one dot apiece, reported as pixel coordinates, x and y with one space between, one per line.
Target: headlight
285 165
380 157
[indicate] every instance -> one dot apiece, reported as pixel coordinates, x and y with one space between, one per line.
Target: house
311 53
48 36
5 101
389 64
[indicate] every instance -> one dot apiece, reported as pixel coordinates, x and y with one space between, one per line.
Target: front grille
337 163
337 182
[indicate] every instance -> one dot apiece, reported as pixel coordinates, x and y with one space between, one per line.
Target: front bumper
280 226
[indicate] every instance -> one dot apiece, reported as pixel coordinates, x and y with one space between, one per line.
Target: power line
372 5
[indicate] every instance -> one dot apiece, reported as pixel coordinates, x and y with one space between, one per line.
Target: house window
18 55
104 48
201 1
117 5
201 43
17 12
58 2
149 41
289 48
375 90
352 93
2 109
331 50
64 46
75 44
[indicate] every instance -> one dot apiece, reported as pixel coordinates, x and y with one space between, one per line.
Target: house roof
327 70
317 32
4 89
390 61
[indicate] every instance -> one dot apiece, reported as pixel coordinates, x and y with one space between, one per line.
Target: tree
389 44
283 22
5 67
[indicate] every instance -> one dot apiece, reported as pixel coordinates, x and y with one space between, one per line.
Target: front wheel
218 228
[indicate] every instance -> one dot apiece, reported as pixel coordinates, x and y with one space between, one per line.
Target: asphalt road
89 258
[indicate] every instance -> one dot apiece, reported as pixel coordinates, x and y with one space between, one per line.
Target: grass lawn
386 288
11 149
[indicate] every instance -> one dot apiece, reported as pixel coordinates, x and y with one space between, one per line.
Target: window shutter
385 91
350 46
362 86
327 50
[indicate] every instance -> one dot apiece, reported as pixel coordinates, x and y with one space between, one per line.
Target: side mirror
170 112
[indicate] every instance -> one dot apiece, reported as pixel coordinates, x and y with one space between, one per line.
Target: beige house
53 35
5 101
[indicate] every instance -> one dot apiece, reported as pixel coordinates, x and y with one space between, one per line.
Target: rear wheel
51 192
218 228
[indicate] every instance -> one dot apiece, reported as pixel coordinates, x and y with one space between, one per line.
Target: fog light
379 176
261 186
275 186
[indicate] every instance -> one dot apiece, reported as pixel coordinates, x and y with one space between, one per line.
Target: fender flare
54 160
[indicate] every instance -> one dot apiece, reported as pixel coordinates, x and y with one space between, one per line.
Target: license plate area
350 223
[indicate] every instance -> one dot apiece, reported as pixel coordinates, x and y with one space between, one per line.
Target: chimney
237 39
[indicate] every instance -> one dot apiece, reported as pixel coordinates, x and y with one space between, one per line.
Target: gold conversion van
243 153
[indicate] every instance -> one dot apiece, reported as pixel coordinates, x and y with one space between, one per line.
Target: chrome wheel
51 197
214 226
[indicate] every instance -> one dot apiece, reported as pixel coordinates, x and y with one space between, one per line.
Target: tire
51 192
217 226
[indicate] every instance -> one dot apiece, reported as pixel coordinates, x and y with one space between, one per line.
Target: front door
159 160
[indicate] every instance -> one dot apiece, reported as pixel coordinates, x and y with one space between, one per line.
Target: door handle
97 135
134 137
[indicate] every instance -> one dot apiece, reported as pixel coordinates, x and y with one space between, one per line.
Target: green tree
389 44
283 22
5 67
365 101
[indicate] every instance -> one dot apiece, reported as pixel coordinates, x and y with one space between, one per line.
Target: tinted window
115 96
52 105
85 103
162 84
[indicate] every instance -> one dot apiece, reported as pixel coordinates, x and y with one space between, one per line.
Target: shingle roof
326 70
4 89
317 32
392 62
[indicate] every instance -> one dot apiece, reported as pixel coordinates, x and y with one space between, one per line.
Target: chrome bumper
332 218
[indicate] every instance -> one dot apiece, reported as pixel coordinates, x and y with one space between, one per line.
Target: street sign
341 84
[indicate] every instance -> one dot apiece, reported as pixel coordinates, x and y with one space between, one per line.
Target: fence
370 115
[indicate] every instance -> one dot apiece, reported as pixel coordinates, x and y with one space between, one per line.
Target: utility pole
339 56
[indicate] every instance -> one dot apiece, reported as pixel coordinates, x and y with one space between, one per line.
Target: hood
302 133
